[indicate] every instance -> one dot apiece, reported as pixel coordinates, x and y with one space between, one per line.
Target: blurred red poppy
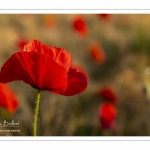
104 16
20 43
97 53
107 115
108 94
8 99
45 68
49 21
80 26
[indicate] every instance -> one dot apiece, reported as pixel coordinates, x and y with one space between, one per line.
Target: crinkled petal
59 55
8 99
36 69
13 70
77 82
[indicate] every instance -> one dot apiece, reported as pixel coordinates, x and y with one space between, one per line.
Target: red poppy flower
20 43
108 94
97 53
45 68
107 115
8 99
80 26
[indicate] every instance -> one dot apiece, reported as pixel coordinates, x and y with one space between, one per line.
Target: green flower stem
36 113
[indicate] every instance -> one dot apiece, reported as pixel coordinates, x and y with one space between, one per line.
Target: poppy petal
77 82
45 74
78 68
8 99
10 73
59 55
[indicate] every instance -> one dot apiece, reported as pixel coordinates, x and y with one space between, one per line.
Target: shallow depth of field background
125 40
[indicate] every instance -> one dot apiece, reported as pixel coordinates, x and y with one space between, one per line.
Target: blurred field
125 40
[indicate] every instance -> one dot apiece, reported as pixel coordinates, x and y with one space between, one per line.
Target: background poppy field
112 50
